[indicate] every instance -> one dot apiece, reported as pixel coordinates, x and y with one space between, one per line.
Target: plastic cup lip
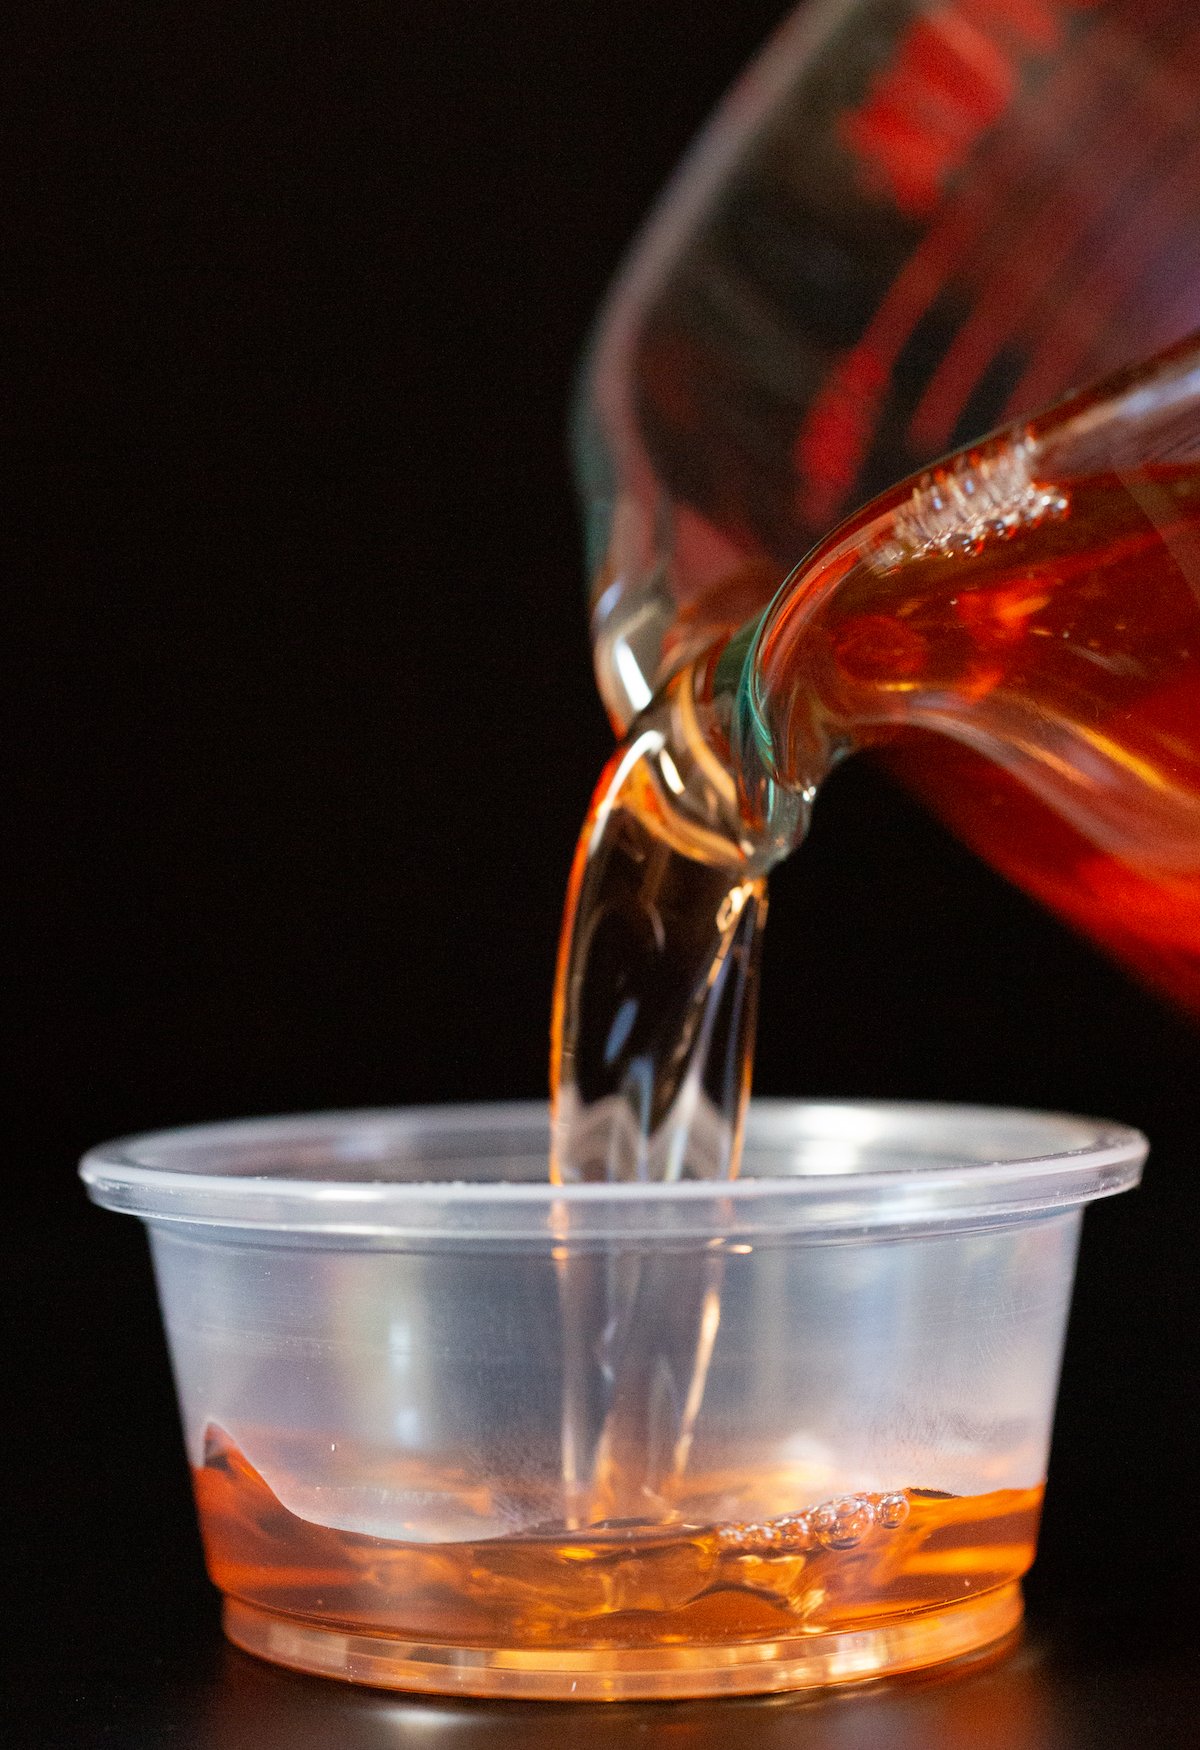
812 1170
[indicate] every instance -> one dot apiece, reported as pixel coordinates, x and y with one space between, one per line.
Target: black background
302 729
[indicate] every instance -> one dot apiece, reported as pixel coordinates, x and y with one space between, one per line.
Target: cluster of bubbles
982 494
838 1524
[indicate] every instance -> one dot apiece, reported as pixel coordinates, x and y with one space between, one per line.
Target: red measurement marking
987 215
1074 341
1057 250
954 74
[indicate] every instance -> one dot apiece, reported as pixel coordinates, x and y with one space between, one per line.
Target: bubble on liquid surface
839 1524
843 1523
891 1511
763 1538
983 495
797 1529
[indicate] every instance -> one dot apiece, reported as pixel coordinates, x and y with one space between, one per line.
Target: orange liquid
1147 918
847 1565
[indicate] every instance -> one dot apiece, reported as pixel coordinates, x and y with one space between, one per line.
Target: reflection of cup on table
365 1321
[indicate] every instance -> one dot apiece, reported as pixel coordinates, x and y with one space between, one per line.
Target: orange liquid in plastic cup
396 1348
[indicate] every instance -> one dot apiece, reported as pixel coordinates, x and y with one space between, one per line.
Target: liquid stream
840 1565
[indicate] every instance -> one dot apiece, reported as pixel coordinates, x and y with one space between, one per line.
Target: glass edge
830 1203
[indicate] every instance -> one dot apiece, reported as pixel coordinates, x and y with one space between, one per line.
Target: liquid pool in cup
366 1319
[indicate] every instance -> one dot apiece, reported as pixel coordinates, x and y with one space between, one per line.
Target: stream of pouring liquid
653 1028
653 1038
1068 653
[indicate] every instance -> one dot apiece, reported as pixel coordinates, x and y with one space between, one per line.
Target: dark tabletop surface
1082 1679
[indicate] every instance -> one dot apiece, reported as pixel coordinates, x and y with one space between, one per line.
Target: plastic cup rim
122 1175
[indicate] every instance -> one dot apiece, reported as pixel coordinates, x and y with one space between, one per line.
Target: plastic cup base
908 1643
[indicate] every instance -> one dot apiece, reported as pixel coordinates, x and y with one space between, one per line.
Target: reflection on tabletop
1020 1696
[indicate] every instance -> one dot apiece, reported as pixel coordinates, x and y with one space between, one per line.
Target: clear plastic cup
456 1429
